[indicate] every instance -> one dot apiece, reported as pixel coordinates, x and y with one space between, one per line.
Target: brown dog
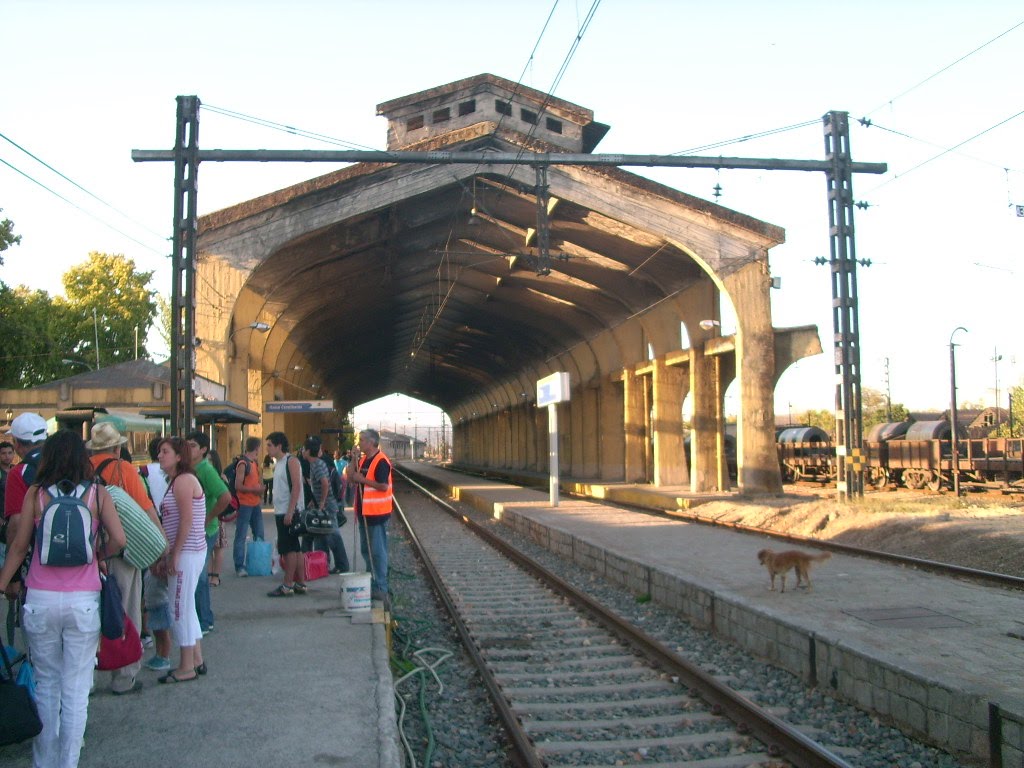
779 563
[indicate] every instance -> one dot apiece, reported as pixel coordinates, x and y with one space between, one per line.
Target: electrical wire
748 137
108 225
947 67
284 128
945 152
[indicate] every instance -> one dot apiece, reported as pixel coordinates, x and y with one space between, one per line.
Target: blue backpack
64 534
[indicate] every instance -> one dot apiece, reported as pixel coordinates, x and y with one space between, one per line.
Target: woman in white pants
62 607
184 518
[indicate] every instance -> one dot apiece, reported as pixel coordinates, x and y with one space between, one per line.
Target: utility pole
845 318
996 357
183 266
888 393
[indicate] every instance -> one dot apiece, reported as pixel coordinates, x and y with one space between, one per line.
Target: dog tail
822 557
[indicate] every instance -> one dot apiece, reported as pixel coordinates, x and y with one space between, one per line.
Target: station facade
463 285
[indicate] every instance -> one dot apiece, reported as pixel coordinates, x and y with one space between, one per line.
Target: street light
255 325
952 410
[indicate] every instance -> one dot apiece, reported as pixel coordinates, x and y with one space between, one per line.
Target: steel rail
526 754
782 740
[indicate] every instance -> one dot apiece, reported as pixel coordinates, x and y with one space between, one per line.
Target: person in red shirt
29 433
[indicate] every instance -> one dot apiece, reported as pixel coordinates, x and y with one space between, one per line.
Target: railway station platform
292 681
940 657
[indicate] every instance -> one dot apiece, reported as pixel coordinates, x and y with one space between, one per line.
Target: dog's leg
783 578
772 574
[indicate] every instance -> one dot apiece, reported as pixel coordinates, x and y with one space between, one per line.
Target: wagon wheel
880 478
934 481
912 478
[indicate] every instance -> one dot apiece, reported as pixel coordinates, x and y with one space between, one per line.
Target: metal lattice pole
183 265
845 322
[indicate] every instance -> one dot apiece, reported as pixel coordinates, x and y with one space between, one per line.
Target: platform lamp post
952 410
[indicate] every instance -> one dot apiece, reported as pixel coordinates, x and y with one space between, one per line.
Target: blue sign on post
298 406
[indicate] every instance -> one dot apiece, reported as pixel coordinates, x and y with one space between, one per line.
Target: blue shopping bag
257 557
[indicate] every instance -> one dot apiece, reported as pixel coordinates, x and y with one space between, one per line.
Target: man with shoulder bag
288 506
326 503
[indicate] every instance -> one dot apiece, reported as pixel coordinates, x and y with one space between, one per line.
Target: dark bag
19 718
230 473
112 618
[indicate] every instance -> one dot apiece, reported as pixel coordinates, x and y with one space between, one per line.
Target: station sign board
298 406
553 389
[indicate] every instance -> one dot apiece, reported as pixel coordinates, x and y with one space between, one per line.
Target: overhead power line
748 137
283 127
80 187
947 67
946 152
107 224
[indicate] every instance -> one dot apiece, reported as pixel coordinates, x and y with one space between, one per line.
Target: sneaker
135 687
147 641
241 573
159 664
299 588
281 591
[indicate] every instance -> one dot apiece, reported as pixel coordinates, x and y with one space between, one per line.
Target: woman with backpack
183 512
61 615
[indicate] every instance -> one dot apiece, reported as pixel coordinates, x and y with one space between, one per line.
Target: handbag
314 523
257 557
112 618
118 652
316 565
19 718
145 541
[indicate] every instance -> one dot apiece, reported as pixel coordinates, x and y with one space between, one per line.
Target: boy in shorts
158 619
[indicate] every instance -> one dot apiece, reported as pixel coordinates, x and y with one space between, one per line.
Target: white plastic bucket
355 591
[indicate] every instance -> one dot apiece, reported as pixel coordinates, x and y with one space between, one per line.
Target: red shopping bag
316 565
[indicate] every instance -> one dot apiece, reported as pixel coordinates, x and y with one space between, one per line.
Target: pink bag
125 650
316 565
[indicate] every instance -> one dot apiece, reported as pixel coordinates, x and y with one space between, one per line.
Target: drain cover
906 617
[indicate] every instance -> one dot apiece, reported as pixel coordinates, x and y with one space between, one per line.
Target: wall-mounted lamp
707 325
255 325
775 282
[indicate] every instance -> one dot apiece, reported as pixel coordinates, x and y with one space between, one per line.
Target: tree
33 335
164 324
7 236
109 286
1016 417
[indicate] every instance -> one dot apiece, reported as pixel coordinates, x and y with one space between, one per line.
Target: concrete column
708 467
635 428
757 459
612 445
589 405
668 392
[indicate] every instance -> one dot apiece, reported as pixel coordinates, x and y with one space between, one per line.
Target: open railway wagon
806 453
912 455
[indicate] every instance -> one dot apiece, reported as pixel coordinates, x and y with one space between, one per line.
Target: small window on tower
467 107
555 126
440 115
414 123
502 107
528 116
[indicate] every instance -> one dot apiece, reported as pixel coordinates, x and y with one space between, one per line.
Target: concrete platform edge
387 725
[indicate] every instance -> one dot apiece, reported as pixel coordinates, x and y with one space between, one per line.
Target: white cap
29 428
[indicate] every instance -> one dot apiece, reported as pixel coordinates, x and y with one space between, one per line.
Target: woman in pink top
62 609
184 516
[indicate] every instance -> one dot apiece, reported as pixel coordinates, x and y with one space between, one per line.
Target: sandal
170 677
214 579
201 669
281 591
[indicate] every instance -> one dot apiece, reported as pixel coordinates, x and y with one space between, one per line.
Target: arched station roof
426 279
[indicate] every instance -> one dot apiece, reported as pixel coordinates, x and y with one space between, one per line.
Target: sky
89 82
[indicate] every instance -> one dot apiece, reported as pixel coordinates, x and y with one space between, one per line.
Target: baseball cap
29 428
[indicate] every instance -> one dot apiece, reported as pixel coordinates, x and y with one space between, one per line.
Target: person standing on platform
373 504
104 446
324 500
248 488
217 497
268 480
288 504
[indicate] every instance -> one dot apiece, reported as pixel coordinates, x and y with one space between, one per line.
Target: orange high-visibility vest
376 502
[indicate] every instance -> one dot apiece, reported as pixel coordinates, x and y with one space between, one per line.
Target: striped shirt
195 540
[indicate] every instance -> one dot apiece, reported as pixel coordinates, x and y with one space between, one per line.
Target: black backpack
231 470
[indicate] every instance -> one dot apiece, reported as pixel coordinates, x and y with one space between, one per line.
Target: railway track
576 685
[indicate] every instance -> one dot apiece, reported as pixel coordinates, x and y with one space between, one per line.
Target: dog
779 564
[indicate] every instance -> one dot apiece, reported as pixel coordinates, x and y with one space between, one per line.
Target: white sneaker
241 573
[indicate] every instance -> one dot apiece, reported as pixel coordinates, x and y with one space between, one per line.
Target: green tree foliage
108 285
38 332
1016 416
164 321
7 236
32 334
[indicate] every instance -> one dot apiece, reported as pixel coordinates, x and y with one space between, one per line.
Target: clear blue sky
88 82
